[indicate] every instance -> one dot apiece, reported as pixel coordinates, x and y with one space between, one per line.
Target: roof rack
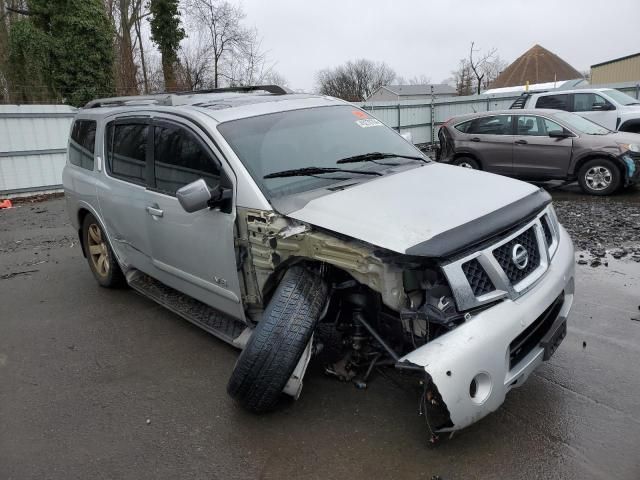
168 99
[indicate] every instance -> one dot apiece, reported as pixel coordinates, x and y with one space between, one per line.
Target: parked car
608 107
286 224
542 145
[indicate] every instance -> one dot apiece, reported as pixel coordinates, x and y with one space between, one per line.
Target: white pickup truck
606 106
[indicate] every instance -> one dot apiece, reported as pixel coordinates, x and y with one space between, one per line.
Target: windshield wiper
300 172
370 157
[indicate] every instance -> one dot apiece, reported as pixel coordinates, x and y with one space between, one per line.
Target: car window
126 151
492 125
586 102
558 102
180 158
464 126
551 126
82 143
530 125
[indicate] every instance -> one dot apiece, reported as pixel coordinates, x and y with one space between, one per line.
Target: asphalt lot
97 383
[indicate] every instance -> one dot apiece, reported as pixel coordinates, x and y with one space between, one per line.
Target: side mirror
194 196
602 107
407 136
197 196
558 134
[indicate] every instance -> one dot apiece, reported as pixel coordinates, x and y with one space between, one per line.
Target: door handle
521 142
475 139
155 212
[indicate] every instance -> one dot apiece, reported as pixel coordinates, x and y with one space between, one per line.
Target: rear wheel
274 349
599 176
102 261
466 162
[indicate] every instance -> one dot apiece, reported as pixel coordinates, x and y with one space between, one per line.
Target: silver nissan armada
300 228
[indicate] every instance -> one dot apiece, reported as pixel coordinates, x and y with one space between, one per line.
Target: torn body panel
471 365
271 241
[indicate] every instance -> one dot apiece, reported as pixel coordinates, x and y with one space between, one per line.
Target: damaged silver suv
299 228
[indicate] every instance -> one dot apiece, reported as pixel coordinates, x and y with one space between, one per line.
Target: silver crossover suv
299 228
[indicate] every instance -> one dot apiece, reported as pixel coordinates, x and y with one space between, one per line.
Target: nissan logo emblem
519 256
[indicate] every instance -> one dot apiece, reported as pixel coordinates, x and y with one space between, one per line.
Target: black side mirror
559 134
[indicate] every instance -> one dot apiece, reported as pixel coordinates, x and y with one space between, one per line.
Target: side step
208 318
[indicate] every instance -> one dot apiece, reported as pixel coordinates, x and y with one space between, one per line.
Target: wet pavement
96 383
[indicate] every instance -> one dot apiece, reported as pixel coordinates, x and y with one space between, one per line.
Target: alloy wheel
98 250
598 178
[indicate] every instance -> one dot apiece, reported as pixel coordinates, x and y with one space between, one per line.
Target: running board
232 331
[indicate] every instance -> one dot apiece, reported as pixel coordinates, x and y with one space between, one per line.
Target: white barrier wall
33 143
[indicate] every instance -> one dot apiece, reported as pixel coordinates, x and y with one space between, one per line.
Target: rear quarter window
557 102
463 127
82 143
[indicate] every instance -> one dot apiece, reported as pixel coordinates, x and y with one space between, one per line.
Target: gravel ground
601 227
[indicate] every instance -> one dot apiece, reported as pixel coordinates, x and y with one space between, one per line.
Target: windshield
313 137
621 98
581 124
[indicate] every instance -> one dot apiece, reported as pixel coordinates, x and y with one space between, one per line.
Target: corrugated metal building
33 142
624 69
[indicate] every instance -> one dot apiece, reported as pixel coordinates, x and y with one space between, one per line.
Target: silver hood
430 210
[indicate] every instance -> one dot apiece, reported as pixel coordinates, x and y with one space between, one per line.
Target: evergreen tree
167 33
62 49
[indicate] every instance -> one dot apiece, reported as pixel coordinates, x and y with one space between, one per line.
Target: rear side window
181 158
126 151
82 143
558 102
492 125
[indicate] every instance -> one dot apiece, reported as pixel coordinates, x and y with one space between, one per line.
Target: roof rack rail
275 89
167 98
160 99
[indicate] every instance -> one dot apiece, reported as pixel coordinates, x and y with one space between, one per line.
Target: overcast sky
429 37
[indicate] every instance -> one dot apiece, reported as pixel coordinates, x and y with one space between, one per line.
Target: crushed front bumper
474 366
631 161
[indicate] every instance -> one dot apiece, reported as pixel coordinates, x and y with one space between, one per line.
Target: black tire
103 265
610 175
467 162
272 353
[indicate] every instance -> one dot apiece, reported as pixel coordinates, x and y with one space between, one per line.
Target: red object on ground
6 204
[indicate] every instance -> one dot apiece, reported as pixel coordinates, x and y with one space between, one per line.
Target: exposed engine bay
381 306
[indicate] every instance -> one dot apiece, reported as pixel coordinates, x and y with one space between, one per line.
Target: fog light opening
480 388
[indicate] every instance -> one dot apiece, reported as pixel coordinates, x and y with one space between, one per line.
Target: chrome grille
490 273
504 256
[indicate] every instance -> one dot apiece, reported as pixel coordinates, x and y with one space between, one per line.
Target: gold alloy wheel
98 250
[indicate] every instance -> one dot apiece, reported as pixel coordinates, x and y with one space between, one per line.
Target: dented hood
433 210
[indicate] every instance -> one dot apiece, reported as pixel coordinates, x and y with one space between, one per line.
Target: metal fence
423 117
33 138
33 141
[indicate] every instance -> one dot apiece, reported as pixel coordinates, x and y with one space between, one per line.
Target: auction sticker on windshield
369 122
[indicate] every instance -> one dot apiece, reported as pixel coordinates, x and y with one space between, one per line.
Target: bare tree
194 64
222 22
355 80
478 65
415 80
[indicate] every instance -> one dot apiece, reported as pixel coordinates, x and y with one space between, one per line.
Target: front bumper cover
479 349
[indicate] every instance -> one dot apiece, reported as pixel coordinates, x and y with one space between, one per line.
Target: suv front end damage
464 330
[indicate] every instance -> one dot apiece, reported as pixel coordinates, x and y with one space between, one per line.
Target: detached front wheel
599 176
279 340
